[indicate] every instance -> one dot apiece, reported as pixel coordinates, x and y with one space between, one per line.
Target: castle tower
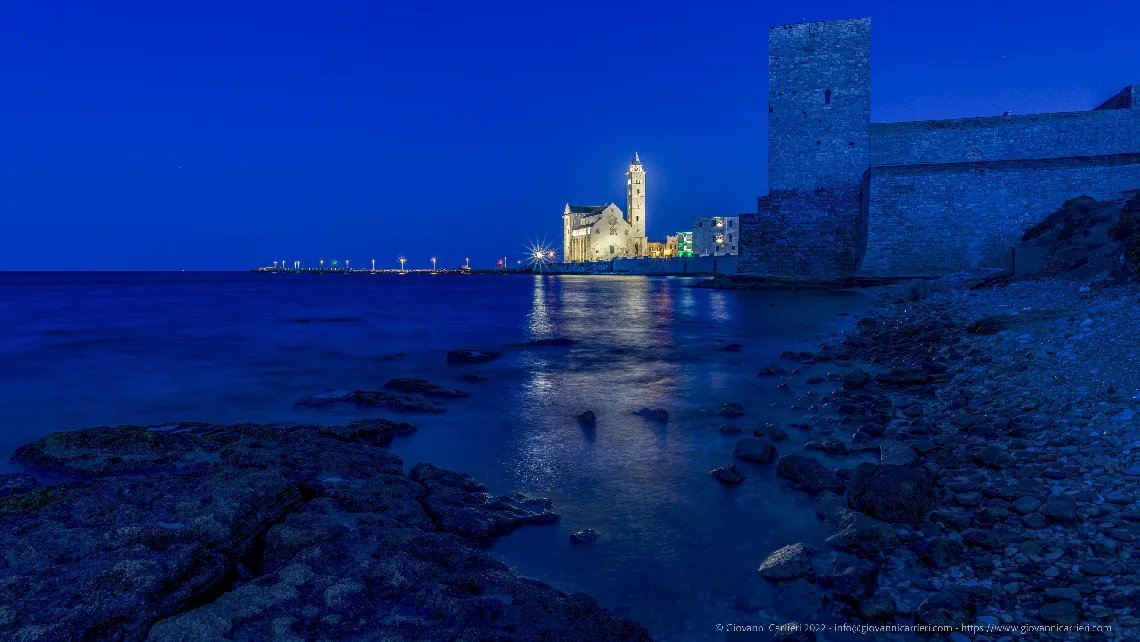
635 198
819 105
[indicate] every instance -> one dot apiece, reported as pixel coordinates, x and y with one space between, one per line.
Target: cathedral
603 232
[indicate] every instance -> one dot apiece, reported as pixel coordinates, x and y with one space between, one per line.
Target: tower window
827 97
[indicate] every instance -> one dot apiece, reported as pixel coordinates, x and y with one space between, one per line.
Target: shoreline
1005 493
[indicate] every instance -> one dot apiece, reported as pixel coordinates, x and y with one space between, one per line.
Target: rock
730 429
1063 594
659 415
370 398
727 474
878 609
731 409
349 543
940 552
808 474
1062 510
732 347
993 457
16 484
471 377
833 446
1025 505
556 342
904 377
855 580
794 632
945 608
892 493
986 539
771 431
758 450
1094 568
987 325
856 379
799 599
588 418
897 453
1064 613
853 531
459 357
423 387
788 563
584 536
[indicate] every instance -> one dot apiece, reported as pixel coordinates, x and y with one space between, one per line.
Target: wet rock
423 387
588 418
731 409
1063 594
727 475
808 474
349 550
730 429
787 563
458 504
993 457
370 398
940 552
1062 510
853 531
856 379
471 377
892 493
799 599
584 536
112 451
831 446
16 484
459 357
897 453
758 450
945 608
904 377
771 431
732 347
795 632
855 580
1059 613
654 414
878 609
986 539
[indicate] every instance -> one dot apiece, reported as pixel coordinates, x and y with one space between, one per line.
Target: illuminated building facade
604 232
716 236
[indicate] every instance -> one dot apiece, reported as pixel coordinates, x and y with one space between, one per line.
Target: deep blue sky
202 135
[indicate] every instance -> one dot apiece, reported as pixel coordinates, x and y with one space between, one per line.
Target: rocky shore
1005 414
253 532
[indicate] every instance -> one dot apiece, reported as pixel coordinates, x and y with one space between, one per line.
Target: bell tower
635 198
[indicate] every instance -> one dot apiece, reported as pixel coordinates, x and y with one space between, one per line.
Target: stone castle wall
1062 135
935 219
797 233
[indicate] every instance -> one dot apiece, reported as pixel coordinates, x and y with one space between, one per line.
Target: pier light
433 262
373 265
402 260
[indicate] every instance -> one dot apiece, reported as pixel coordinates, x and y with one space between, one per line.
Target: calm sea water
676 550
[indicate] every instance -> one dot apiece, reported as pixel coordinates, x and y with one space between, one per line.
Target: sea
676 550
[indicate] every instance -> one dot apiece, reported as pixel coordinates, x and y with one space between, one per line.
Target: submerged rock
471 377
556 342
268 533
584 536
758 450
423 387
732 409
588 418
808 474
727 474
654 414
370 398
471 356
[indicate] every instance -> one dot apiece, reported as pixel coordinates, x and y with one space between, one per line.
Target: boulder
853 531
584 536
730 429
758 450
897 453
732 409
892 493
808 474
1062 510
854 579
588 418
788 563
459 357
423 387
659 415
727 475
771 431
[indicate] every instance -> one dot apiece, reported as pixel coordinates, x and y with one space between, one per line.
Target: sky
227 135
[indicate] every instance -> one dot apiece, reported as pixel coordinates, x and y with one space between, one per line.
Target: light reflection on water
677 551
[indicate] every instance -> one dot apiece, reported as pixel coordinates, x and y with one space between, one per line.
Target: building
655 249
603 232
847 196
716 235
683 244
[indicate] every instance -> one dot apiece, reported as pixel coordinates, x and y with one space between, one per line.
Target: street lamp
433 263
373 265
402 260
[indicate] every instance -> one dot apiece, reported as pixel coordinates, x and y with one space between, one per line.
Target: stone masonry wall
797 233
963 140
819 104
934 219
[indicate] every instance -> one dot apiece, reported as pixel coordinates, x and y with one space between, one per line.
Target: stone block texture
917 198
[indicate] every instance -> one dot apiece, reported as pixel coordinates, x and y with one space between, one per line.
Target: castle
851 197
602 232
